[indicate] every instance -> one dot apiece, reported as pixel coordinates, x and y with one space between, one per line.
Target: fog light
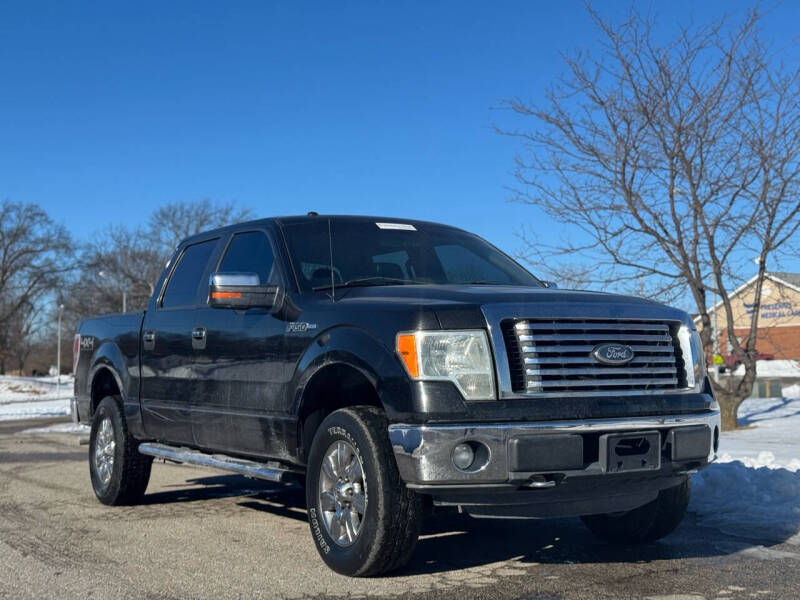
463 456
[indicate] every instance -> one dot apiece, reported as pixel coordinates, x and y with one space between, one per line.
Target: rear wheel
364 520
646 523
119 473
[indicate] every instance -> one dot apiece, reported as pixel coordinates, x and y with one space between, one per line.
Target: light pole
58 351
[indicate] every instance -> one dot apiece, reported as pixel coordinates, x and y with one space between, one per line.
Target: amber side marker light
407 349
226 295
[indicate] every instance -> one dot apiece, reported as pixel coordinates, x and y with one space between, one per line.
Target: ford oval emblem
613 354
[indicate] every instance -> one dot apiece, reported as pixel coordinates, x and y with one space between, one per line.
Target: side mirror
242 290
550 285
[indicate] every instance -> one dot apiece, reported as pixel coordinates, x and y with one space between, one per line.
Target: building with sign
778 334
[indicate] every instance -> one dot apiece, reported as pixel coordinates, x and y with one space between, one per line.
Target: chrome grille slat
600 371
590 326
552 357
588 360
587 349
602 382
598 337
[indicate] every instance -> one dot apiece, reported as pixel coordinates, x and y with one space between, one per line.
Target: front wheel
363 519
646 523
119 473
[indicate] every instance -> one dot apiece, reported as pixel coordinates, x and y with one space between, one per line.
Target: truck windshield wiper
368 281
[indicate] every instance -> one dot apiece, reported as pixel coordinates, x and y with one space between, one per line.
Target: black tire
129 471
672 505
392 518
646 523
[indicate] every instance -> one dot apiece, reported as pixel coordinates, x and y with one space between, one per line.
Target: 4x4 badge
613 354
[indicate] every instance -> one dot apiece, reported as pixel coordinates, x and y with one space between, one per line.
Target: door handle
149 337
198 333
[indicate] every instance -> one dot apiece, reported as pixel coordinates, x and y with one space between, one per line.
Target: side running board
248 468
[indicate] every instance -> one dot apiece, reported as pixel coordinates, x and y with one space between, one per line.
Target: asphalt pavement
205 534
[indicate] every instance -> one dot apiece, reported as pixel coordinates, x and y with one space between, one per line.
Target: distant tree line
42 267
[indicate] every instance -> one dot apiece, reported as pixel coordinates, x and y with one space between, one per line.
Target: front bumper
424 452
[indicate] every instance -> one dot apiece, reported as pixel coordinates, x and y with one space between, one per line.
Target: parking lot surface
205 534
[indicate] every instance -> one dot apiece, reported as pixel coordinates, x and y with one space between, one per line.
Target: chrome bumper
424 452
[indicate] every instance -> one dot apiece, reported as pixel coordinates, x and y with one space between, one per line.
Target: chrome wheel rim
342 493
104 447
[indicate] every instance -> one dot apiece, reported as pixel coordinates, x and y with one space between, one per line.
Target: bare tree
124 261
121 261
20 336
35 254
178 220
674 162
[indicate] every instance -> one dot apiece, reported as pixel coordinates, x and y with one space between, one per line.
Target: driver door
240 365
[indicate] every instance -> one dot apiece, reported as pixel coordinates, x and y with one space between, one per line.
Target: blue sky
108 110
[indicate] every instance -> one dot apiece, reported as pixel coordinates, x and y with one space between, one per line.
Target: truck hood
477 295
508 301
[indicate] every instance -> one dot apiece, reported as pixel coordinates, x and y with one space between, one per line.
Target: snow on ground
791 391
32 397
770 434
23 389
34 409
753 489
772 368
58 428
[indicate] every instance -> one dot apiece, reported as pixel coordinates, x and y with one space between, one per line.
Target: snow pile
58 428
791 391
753 490
773 368
34 410
24 389
32 397
751 501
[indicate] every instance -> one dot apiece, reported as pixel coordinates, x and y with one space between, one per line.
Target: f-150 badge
299 327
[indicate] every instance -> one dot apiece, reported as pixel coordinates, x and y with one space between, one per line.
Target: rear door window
187 277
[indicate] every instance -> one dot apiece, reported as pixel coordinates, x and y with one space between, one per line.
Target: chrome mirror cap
235 279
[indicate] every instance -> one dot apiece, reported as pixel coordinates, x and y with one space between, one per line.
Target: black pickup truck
392 367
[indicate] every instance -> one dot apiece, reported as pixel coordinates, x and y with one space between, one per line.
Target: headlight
692 351
462 357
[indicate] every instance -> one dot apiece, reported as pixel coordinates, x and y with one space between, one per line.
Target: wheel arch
104 381
331 387
345 367
109 375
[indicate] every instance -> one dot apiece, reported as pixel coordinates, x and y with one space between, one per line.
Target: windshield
370 253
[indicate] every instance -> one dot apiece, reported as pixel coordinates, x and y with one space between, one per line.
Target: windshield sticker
403 226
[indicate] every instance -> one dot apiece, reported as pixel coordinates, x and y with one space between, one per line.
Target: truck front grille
554 357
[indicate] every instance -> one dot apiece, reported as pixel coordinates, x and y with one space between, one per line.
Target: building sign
775 310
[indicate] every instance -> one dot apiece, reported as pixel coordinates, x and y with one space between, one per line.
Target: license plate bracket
633 451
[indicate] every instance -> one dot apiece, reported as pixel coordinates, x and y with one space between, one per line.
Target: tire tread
131 474
399 510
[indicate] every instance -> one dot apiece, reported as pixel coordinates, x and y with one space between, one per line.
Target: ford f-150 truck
392 367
